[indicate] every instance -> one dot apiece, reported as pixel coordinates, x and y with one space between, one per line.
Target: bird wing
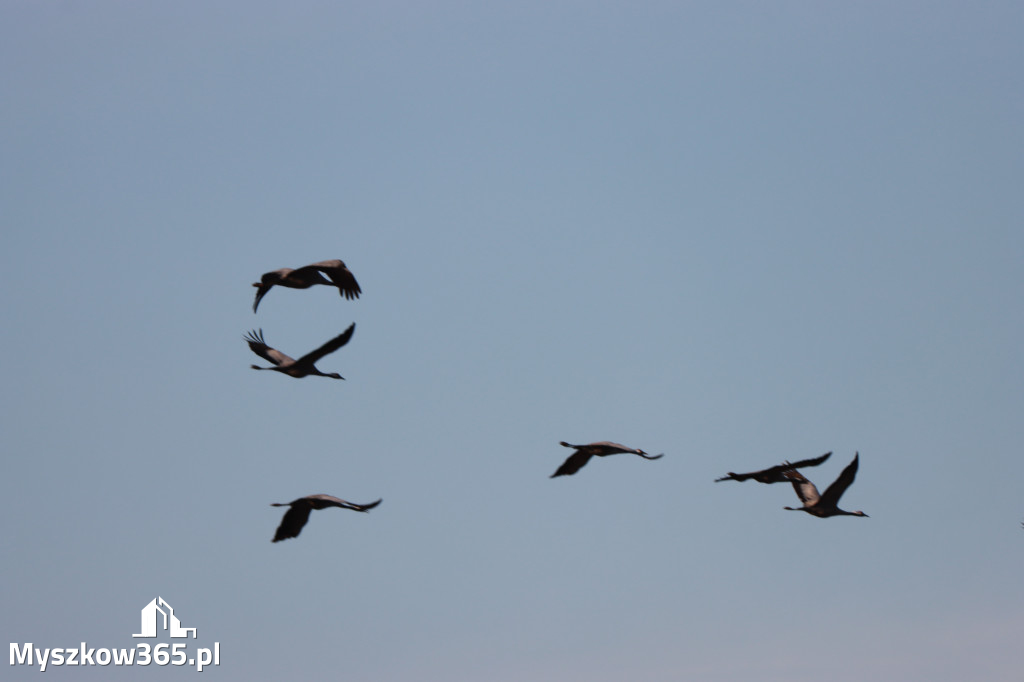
839 486
805 490
609 448
334 344
260 348
307 275
292 522
806 462
364 507
775 474
331 501
261 291
341 276
574 463
267 281
606 447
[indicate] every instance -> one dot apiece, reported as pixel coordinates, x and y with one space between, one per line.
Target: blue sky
735 233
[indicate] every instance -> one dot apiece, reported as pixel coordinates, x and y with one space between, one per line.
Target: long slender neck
332 375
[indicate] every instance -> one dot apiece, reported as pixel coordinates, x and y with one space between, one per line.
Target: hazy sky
732 232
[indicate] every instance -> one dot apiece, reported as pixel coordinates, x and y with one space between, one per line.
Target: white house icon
149 620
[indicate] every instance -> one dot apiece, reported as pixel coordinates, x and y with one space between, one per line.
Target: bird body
298 514
302 367
337 275
827 504
603 448
775 474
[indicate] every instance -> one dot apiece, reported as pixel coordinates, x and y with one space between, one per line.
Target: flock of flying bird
335 273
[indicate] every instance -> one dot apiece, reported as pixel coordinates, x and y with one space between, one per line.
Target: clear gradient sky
732 232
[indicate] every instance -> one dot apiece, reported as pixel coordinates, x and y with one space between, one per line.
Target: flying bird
306 276
302 367
295 518
827 504
775 474
602 449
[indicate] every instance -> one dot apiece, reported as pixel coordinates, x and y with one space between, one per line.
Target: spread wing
307 276
574 463
774 474
341 276
261 291
805 462
292 522
839 486
260 348
267 281
805 490
331 501
364 507
329 347
609 448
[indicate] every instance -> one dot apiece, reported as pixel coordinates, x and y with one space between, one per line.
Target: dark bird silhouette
306 276
295 518
827 504
302 367
775 474
602 449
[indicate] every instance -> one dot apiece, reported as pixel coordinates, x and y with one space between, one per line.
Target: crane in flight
775 474
304 366
337 275
827 504
603 448
298 514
